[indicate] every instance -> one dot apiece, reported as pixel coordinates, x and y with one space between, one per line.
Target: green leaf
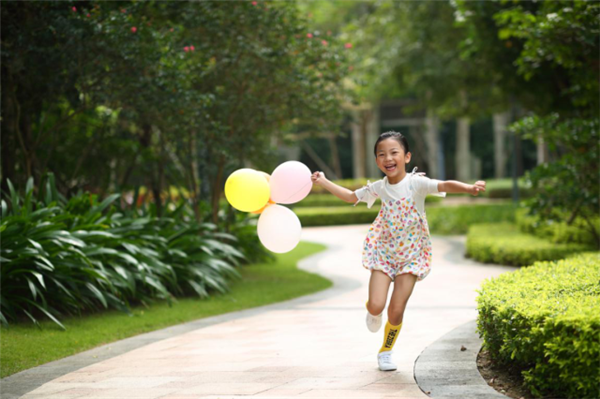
97 293
40 278
32 288
47 313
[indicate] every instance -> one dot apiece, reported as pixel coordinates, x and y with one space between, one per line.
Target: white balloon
279 229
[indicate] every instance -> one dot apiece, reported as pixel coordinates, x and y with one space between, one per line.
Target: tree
548 56
150 93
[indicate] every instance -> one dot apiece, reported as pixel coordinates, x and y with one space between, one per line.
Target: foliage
569 189
24 346
457 219
334 216
544 54
557 231
504 244
441 219
69 256
554 47
158 91
545 320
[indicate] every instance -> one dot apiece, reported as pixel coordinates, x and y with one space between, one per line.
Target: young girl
398 247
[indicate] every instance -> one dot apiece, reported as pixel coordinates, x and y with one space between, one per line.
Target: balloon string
297 191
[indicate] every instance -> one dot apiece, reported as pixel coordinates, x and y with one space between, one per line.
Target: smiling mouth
390 167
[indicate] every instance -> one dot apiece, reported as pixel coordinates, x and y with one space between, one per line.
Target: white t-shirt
421 185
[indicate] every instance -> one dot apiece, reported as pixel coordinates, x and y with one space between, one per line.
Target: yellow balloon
247 190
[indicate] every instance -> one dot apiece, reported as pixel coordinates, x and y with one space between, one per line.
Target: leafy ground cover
22 345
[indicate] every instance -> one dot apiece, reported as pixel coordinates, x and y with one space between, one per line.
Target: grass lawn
23 346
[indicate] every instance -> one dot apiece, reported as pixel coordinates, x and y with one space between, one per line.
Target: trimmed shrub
504 244
442 220
545 319
329 200
558 232
350 184
332 216
457 219
502 188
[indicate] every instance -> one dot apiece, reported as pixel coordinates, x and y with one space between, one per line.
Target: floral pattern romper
398 241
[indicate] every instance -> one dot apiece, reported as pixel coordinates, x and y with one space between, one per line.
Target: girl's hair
392 135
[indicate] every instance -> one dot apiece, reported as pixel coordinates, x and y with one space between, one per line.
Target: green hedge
457 219
545 319
332 216
558 232
504 244
442 220
329 200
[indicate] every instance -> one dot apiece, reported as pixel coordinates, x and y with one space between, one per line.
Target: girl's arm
453 186
342 193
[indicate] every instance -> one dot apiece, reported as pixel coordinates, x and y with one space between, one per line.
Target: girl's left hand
477 187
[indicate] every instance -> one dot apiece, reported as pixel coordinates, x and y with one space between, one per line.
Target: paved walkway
316 346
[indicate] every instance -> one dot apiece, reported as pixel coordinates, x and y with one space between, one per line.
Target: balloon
247 190
263 208
266 175
279 229
290 182
258 212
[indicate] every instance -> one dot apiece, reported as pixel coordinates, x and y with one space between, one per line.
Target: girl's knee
375 307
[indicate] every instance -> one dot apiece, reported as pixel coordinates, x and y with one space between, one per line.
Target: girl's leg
379 285
403 288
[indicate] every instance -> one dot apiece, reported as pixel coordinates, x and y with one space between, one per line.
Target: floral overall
398 241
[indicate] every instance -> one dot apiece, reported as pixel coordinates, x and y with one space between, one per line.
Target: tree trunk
359 130
432 136
335 156
7 138
155 183
216 190
501 121
463 150
192 174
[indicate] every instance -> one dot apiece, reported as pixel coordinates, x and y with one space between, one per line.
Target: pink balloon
290 182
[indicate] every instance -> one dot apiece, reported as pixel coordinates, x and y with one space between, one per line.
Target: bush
457 219
502 188
332 216
545 319
558 231
329 200
350 184
442 220
79 255
504 244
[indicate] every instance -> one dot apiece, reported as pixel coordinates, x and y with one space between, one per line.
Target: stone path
311 347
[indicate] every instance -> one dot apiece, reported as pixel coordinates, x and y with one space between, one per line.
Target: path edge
19 384
443 370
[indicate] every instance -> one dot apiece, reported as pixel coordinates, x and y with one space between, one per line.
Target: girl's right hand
318 178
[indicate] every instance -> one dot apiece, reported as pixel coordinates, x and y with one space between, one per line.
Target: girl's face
391 158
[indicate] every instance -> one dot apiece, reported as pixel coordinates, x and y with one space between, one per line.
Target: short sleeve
426 186
368 193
